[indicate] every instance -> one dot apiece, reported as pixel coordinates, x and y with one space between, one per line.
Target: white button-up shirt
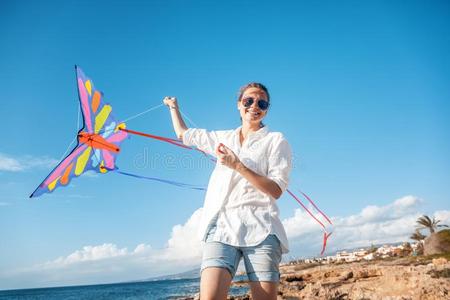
244 215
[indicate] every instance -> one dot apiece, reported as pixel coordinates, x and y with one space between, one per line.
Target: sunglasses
262 104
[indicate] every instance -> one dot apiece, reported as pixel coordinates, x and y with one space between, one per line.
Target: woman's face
252 114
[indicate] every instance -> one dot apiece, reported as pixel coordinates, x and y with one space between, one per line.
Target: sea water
158 289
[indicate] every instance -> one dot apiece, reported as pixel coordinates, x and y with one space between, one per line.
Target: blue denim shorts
261 261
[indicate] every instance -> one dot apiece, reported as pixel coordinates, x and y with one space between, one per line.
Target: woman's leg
214 283
219 264
262 290
262 265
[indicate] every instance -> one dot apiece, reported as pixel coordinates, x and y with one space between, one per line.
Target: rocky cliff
398 279
423 278
388 280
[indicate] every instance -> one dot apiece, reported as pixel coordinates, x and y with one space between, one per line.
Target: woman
240 216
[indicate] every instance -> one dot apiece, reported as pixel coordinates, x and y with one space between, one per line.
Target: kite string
78 117
73 140
177 142
131 118
187 117
143 113
156 107
210 157
68 148
175 183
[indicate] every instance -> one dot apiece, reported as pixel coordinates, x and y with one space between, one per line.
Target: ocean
159 289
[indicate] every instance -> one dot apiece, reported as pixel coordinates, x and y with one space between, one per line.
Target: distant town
370 253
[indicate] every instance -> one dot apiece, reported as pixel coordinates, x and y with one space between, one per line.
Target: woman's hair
253 85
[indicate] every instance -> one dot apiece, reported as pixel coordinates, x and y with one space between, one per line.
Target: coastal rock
393 279
368 280
439 261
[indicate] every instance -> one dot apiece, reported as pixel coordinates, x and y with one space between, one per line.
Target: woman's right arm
201 138
177 120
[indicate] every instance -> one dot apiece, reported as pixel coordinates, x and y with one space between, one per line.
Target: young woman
240 215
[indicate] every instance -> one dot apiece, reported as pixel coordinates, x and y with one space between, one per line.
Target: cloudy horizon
111 263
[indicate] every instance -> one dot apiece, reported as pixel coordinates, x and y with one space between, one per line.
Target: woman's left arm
265 184
262 183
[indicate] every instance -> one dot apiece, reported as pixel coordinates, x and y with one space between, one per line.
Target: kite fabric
98 141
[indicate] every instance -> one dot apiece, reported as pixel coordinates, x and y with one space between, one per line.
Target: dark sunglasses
262 104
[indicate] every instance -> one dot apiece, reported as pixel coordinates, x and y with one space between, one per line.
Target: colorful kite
98 143
98 140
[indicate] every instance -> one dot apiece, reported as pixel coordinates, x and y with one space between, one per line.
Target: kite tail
326 235
315 206
175 183
157 137
167 140
325 239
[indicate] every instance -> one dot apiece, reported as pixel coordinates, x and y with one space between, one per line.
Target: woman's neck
248 128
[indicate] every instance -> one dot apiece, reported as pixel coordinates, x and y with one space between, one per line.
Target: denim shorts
261 261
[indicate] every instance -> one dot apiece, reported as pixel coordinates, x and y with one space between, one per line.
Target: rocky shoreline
403 278
397 279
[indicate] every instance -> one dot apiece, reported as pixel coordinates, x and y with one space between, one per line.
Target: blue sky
359 88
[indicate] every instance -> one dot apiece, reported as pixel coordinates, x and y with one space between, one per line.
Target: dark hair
253 85
257 85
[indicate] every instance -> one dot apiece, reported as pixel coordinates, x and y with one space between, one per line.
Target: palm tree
431 224
417 236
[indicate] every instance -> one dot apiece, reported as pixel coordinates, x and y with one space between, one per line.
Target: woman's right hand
171 102
177 121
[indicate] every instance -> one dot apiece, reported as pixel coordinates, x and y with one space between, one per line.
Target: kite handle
220 148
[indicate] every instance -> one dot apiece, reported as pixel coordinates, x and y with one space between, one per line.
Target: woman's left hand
227 157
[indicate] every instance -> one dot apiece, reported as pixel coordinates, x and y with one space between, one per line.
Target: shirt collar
263 131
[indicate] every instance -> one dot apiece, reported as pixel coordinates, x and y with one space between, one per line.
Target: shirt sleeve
201 138
280 164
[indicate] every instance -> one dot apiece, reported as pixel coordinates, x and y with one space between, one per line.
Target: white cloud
91 253
392 211
444 216
9 164
22 163
183 244
182 248
393 222
108 262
